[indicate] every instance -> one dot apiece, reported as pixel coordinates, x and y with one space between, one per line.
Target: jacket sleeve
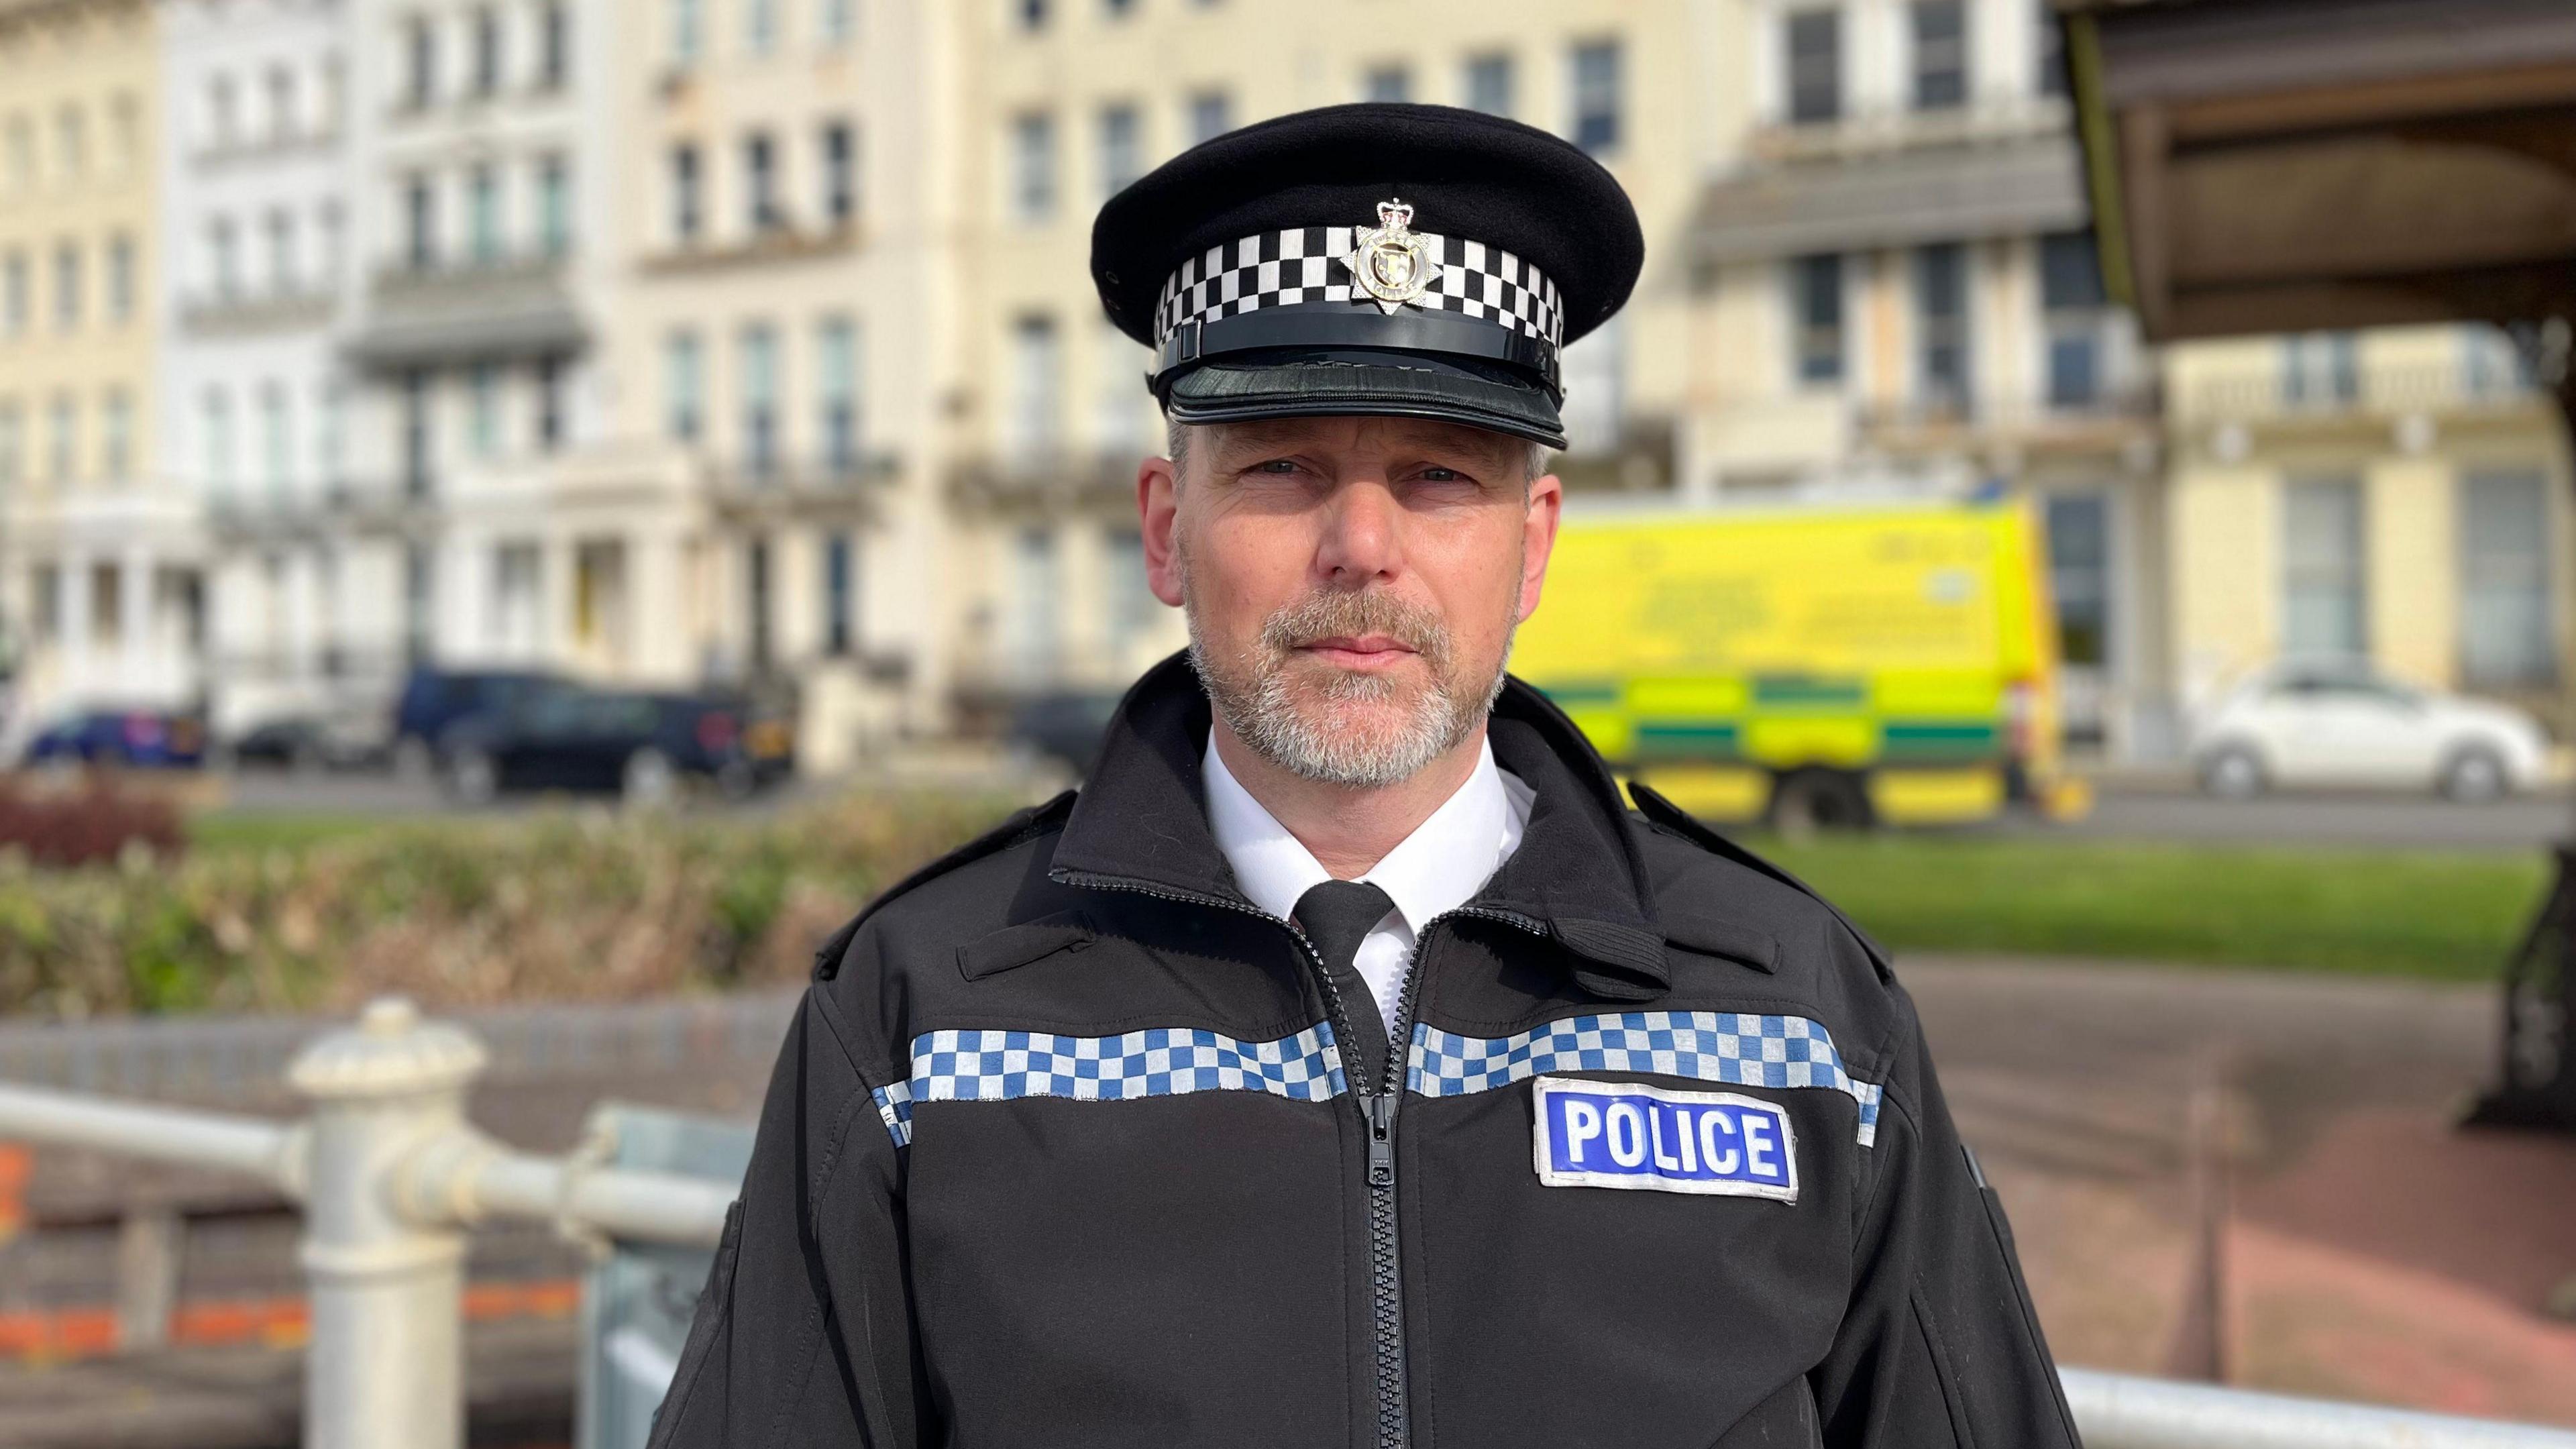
804 1333
1938 1345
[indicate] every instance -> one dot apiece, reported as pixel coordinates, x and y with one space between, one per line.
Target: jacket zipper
1377 1115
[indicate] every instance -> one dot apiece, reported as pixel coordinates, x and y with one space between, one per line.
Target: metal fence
391 1178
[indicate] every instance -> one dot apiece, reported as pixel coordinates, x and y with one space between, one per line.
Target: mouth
1362 652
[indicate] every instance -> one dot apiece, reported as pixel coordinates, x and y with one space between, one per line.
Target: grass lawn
2441 914
2446 914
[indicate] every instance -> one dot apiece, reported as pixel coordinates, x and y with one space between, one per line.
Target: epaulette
1674 819
1023 826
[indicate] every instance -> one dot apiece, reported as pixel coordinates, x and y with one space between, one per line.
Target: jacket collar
1578 877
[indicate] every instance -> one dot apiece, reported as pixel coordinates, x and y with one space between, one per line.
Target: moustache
1325 616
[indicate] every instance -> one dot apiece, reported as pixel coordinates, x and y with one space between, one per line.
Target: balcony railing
427 316
274 310
392 1180
2363 392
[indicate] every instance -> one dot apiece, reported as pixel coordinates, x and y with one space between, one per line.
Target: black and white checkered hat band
1304 264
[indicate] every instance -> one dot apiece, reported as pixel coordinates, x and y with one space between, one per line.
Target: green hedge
559 906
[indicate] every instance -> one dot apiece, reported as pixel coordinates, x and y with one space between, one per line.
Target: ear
1538 537
1158 510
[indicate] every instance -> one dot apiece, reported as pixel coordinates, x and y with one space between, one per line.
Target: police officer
1348 1064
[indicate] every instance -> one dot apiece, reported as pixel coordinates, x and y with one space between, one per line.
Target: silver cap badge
1391 263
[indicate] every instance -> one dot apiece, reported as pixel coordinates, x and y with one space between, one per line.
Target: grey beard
1271 713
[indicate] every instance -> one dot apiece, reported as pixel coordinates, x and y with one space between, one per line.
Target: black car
645 746
434 701
1067 726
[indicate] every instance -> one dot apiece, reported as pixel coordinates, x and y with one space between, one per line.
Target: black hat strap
1338 324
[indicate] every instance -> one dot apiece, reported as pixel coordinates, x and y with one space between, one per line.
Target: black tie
1336 916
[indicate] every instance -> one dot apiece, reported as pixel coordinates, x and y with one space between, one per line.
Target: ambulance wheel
1812 799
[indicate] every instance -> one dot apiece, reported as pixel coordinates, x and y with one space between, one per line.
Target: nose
1361 538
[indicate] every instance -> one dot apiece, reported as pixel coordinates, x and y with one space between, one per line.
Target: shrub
558 906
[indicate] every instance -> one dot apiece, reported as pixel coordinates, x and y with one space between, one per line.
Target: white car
2342 725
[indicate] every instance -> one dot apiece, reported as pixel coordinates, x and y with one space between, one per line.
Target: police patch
1628 1134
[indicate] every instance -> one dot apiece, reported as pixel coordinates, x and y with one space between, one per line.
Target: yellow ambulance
1838 667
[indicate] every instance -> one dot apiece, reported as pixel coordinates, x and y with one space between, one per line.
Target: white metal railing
391 1177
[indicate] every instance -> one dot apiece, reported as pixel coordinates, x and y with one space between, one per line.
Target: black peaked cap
1467 174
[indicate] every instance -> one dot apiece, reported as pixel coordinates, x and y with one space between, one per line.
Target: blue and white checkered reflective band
994 1066
1712 1046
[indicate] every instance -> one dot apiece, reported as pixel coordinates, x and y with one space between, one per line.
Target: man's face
1351 584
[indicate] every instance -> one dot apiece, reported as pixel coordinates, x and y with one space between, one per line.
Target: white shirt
1437 868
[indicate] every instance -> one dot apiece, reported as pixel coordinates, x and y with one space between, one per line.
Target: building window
417 436
1595 86
14 304
840 174
687 24
281 253
1122 148
1387 83
487 52
116 435
12 444
330 442
1119 9
420 599
684 385
1815 66
67 286
1940 54
420 224
554 206
554 45
2493 364
550 404
1941 325
1035 382
1122 423
71 144
2050 49
1033 166
220 115
1596 377
423 81
483 213
277 439
483 409
755 578
1816 317
760 26
281 105
838 22
1032 14
1131 603
120 279
223 262
1489 84
2506 641
518 586
760 400
334 237
760 182
66 439
684 193
2327 614
840 596
836 354
2320 369
216 412
1035 606
2079 576
1211 116
2073 313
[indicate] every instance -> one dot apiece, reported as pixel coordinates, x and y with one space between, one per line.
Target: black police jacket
1060 1151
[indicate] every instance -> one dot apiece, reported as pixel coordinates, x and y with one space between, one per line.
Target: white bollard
386 1365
